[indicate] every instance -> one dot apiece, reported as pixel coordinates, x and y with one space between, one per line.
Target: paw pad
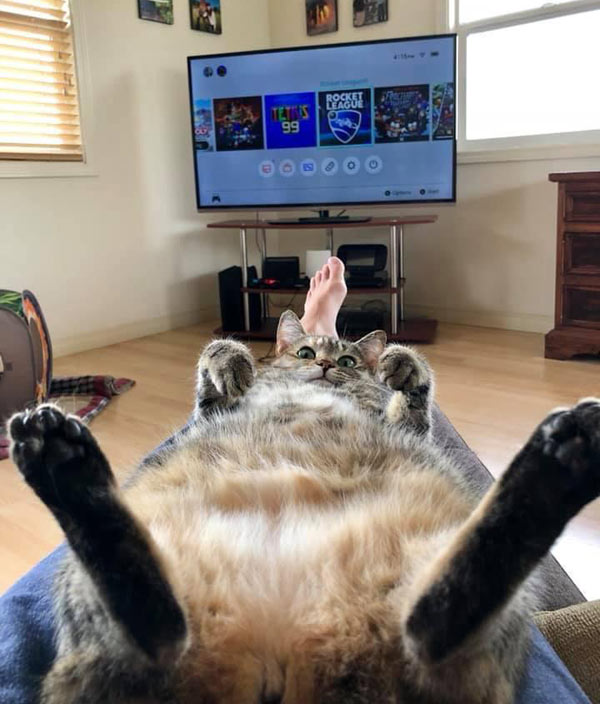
230 367
404 369
572 438
56 453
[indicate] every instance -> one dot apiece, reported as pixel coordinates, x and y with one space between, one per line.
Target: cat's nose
271 699
325 363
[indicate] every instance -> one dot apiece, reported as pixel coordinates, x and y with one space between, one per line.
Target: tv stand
399 329
323 218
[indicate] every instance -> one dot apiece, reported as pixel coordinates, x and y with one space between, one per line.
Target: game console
282 272
365 265
285 270
301 283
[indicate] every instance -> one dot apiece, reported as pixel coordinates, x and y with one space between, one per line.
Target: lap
27 646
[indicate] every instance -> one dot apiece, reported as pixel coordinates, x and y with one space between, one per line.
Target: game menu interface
344 124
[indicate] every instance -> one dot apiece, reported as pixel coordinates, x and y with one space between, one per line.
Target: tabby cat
301 541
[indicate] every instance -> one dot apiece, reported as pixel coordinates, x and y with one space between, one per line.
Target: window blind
39 109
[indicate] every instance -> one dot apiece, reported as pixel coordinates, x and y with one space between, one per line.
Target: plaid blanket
84 396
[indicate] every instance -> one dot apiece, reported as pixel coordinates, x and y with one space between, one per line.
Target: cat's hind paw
572 438
57 455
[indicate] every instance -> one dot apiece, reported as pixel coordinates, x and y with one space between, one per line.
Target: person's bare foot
324 299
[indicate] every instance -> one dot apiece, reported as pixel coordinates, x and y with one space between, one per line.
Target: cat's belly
278 517
292 446
273 511
267 572
295 487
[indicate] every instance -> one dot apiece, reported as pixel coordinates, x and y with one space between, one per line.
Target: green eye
306 353
346 361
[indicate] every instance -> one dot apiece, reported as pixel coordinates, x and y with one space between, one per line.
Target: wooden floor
494 385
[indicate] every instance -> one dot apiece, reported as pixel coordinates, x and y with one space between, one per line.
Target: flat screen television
344 124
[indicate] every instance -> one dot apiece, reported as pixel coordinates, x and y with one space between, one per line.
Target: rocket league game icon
344 124
345 117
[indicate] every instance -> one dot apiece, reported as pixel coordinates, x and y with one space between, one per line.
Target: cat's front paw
403 369
57 456
230 366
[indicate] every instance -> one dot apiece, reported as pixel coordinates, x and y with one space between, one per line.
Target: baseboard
525 322
130 331
140 328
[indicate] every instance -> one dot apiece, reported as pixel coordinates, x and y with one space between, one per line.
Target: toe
25 453
49 418
31 422
16 427
326 272
336 267
588 409
587 412
73 429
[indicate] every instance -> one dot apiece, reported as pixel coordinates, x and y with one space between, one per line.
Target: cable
270 354
285 305
374 304
259 247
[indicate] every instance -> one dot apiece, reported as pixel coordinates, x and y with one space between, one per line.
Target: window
526 74
39 109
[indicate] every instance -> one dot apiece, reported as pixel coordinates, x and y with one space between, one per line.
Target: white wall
489 260
124 253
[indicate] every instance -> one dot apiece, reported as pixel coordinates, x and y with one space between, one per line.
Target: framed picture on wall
205 16
370 12
321 16
156 10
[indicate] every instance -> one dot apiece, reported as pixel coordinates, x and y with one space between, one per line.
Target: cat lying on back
301 541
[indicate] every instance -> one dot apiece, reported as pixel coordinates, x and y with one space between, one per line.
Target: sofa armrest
574 632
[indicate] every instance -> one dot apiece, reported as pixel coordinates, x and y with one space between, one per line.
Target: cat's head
325 359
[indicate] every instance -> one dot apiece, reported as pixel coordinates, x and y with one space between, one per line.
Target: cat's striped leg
62 463
226 371
549 481
407 373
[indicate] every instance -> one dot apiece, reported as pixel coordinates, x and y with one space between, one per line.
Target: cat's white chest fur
300 401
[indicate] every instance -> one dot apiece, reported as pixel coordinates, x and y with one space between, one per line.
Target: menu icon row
329 166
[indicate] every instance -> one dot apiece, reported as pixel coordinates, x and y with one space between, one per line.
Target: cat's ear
288 331
372 346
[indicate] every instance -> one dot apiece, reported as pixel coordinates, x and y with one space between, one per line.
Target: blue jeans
27 647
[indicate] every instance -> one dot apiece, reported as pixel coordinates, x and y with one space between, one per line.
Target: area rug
84 396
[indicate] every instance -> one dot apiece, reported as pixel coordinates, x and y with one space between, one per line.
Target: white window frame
529 147
67 169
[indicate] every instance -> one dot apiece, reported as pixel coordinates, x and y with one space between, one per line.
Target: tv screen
361 123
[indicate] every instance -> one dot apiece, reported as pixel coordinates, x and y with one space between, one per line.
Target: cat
302 540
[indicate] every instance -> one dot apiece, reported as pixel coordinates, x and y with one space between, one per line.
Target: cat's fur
301 541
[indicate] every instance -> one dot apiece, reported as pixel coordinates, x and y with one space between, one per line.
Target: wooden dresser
577 306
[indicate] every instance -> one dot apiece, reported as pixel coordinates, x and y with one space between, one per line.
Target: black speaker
232 305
